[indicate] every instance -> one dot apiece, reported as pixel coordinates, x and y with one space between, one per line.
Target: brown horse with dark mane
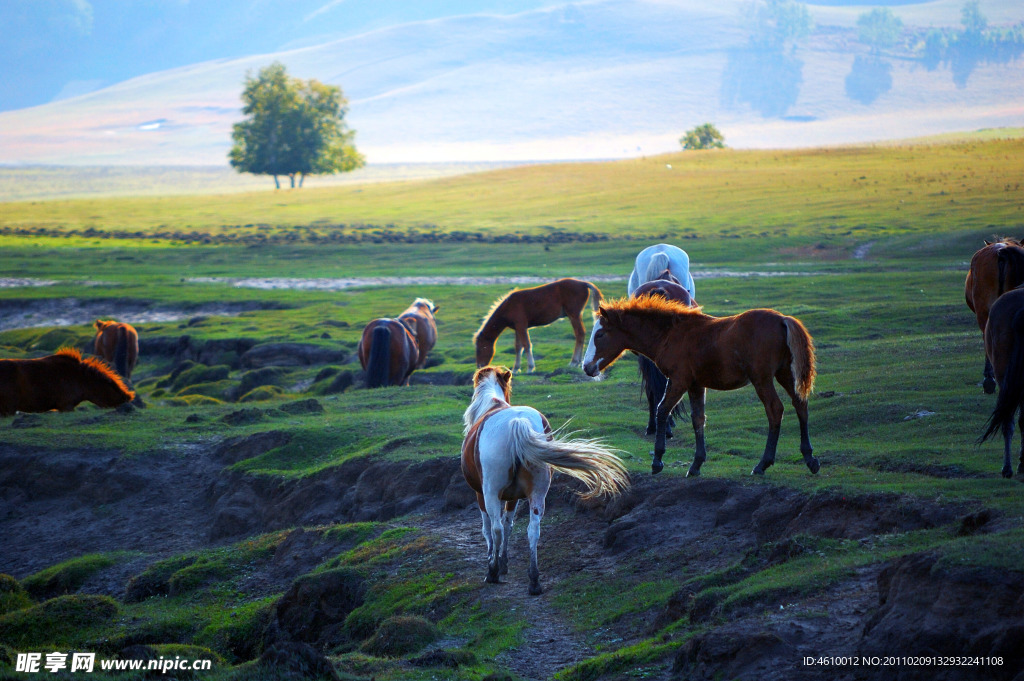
1004 348
652 381
388 353
419 318
995 269
538 306
696 351
61 381
118 345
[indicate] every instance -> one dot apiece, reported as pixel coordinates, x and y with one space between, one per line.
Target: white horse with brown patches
508 454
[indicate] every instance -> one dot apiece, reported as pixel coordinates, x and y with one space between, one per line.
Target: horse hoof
989 385
814 465
693 472
492 578
536 589
1007 472
656 467
757 470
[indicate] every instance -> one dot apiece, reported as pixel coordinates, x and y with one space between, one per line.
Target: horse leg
537 496
773 408
507 518
520 345
530 365
580 332
1007 445
698 419
989 384
494 508
673 393
1020 466
800 405
485 520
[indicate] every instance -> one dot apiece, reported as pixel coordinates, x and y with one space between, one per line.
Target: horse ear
436 308
506 375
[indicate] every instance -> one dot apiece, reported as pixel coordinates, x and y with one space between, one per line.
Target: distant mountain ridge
600 79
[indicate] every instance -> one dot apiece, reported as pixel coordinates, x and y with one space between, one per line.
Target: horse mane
95 366
651 305
494 308
423 301
1008 240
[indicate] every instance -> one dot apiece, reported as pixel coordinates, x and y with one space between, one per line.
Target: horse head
607 341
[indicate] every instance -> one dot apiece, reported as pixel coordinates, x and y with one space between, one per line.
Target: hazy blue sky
58 48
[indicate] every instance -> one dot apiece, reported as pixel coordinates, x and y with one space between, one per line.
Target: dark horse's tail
378 366
121 353
653 383
1011 392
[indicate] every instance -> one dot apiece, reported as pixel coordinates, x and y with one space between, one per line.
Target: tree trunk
277 185
302 178
292 178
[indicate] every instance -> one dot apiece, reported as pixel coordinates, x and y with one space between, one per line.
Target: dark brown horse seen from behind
696 351
538 306
118 345
995 268
388 353
1004 348
60 381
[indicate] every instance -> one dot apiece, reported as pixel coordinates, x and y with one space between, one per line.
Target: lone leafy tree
292 127
704 136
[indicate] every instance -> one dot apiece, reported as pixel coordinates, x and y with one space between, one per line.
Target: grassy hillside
867 246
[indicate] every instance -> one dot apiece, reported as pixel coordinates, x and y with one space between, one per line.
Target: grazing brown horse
61 381
388 353
1004 347
995 269
118 344
652 381
696 351
538 306
509 453
419 317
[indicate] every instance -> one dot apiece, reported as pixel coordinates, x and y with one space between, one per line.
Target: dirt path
550 643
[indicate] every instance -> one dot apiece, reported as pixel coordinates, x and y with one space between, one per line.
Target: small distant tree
704 136
879 28
973 20
292 127
778 23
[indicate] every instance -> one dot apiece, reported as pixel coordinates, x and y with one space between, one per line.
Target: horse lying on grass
696 351
508 454
61 381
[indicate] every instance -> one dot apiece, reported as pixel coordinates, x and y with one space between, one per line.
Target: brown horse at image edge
388 353
696 351
995 268
60 381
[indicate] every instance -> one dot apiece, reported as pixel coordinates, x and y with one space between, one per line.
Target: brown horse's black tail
378 365
1011 391
121 353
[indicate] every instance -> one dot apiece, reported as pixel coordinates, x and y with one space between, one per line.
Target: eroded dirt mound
932 608
56 505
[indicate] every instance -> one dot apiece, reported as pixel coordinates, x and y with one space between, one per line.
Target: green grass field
867 246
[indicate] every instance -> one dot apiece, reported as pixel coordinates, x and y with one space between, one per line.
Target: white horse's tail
587 460
658 263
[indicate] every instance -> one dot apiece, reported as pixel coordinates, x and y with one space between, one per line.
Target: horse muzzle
591 368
